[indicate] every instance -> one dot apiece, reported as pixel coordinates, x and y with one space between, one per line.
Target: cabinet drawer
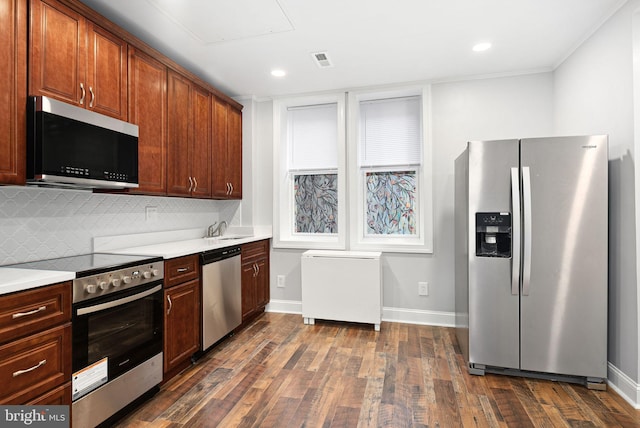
255 249
34 310
181 269
60 396
34 365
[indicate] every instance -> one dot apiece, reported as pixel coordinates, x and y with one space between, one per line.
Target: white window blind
390 132
313 137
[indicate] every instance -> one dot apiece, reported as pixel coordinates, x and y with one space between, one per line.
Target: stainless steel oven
117 326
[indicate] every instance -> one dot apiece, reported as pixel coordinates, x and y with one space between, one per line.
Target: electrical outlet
281 279
151 213
423 289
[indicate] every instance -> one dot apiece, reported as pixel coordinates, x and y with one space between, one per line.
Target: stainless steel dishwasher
221 294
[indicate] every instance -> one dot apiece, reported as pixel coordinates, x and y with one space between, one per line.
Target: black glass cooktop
89 264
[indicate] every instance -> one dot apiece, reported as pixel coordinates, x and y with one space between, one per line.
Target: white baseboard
409 316
626 387
284 306
417 316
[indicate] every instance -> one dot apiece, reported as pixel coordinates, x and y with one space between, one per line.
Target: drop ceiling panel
214 21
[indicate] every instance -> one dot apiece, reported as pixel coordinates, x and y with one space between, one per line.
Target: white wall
594 95
506 107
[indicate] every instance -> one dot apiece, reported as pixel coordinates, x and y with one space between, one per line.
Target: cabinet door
181 323
33 365
57 46
179 132
234 152
106 73
148 110
220 184
200 149
248 290
13 69
262 283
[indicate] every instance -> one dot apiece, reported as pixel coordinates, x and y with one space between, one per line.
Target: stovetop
89 264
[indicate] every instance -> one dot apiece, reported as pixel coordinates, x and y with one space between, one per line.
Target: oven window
126 334
120 329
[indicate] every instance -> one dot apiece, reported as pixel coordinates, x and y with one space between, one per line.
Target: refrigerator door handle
526 248
515 242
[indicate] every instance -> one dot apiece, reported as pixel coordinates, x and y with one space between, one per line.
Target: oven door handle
107 305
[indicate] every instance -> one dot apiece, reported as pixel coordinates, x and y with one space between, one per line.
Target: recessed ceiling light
480 47
278 73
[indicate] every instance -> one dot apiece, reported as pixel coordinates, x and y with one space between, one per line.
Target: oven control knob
103 285
154 272
90 288
146 274
115 282
126 279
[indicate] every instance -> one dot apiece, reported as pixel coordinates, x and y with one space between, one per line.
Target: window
309 167
391 207
388 172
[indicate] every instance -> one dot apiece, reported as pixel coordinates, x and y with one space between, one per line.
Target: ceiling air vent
322 59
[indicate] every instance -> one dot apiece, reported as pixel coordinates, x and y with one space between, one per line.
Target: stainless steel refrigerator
531 221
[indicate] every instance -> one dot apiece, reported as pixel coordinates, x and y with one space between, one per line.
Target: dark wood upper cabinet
201 146
106 72
75 61
148 110
189 152
227 151
13 69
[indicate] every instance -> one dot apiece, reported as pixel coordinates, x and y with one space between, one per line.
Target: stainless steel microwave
73 147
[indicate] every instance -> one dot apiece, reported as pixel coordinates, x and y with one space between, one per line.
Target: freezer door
493 307
564 283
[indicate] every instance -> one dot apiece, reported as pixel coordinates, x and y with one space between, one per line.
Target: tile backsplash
40 223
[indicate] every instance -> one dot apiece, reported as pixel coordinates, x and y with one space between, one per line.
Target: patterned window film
390 199
316 203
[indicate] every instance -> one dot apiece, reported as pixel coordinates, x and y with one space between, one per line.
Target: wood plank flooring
279 372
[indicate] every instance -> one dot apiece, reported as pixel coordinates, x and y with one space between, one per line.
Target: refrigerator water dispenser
493 235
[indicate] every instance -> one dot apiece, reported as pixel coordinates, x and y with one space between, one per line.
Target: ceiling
234 44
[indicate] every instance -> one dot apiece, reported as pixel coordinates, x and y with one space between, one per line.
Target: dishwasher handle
213 256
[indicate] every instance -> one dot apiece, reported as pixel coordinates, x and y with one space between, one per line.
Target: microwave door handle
113 304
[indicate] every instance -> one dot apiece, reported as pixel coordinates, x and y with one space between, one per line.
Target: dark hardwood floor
279 372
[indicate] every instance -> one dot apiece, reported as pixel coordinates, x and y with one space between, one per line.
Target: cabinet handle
256 269
190 184
24 314
181 270
83 94
170 304
21 372
92 96
231 185
195 184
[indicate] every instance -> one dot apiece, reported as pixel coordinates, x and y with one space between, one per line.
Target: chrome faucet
216 229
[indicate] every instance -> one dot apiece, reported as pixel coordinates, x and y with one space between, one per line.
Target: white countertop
169 250
14 279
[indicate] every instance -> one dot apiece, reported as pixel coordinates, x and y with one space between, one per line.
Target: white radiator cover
342 286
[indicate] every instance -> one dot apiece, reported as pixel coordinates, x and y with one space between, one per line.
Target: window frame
284 235
422 241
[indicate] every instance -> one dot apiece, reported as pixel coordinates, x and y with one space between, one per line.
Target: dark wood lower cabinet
35 346
255 278
181 316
